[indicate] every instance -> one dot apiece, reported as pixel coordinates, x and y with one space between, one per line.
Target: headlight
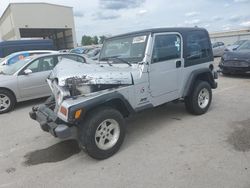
60 95
64 111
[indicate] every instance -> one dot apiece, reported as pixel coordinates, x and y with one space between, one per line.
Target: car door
34 85
166 64
216 49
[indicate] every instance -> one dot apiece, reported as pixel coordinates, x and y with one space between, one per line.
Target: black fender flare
206 74
98 101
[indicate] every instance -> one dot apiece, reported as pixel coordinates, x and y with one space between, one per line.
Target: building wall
230 37
36 16
7 28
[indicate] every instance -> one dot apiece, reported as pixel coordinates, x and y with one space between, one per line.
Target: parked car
96 57
94 52
81 50
9 47
238 61
64 51
26 79
13 58
136 71
78 50
236 45
218 49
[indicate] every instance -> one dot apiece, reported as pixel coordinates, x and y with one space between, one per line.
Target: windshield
129 48
239 42
245 46
13 68
214 45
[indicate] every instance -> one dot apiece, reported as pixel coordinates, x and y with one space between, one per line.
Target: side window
34 66
166 47
198 46
215 45
221 44
42 64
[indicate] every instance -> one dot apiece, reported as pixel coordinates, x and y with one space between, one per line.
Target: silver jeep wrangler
135 71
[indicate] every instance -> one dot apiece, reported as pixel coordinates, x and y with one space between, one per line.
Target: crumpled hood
69 72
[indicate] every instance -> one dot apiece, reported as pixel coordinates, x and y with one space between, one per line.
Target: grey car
26 79
235 45
218 49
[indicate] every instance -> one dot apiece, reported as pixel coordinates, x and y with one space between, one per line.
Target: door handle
178 64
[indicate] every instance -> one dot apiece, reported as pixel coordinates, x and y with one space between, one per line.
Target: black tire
87 132
192 102
12 100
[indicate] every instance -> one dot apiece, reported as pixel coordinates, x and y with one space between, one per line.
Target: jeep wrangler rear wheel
102 132
200 98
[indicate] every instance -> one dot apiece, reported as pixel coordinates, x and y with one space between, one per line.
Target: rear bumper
50 123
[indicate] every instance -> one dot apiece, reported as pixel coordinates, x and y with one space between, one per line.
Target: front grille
236 64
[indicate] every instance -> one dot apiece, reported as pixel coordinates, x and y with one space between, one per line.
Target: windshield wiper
116 58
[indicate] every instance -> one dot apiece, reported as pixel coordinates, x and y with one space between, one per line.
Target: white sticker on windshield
139 39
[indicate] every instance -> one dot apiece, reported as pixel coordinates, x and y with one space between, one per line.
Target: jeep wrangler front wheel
200 98
102 132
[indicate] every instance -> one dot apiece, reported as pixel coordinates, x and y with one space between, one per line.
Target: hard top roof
159 30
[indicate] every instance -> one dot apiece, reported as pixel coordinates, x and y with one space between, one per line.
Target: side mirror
27 72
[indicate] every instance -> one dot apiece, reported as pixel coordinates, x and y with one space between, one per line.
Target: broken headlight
60 95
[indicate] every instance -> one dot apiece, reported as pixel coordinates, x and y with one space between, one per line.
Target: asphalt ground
164 147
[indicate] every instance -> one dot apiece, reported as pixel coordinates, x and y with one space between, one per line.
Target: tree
102 38
95 40
86 40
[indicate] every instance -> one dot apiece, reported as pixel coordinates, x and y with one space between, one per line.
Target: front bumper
49 122
234 67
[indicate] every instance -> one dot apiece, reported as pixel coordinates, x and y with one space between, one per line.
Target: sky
111 17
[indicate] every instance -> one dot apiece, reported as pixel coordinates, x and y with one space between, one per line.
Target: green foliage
88 40
102 38
95 40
